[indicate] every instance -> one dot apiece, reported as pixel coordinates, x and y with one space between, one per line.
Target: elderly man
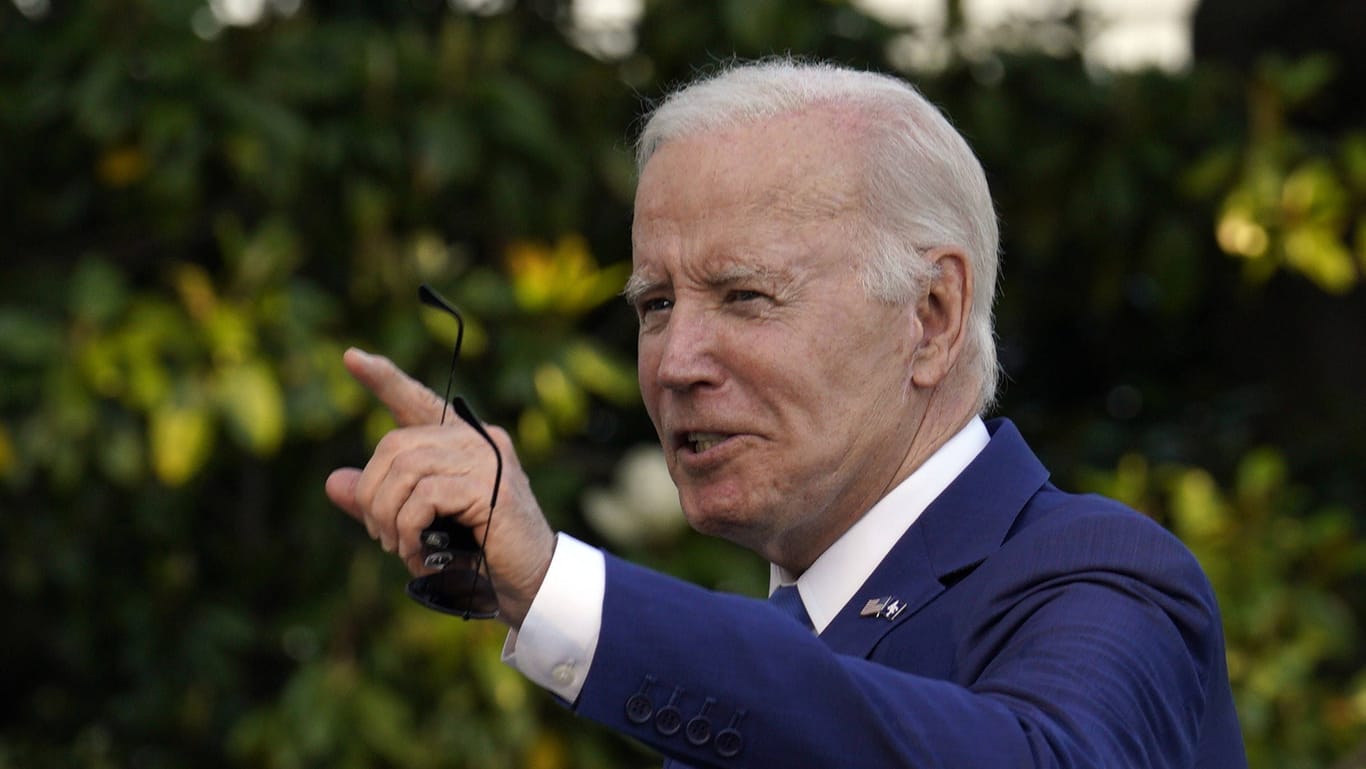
814 256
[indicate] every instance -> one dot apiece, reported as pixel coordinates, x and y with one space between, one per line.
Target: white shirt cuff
559 636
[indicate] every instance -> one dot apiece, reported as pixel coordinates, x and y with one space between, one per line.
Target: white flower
641 507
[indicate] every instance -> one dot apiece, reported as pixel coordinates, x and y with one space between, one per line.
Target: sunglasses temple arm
466 414
428 296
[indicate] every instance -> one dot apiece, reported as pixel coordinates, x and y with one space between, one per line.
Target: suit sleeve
1086 644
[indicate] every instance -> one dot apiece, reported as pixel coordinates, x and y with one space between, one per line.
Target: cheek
856 385
647 366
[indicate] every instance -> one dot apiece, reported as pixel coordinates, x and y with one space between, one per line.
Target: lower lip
701 460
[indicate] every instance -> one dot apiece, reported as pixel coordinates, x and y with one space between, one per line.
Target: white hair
924 186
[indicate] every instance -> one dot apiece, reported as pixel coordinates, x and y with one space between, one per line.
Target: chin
734 522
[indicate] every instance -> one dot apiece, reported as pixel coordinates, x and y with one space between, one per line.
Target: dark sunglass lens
456 591
460 587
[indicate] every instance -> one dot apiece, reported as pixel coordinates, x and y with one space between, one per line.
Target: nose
687 352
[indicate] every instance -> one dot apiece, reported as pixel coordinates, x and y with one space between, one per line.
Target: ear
942 314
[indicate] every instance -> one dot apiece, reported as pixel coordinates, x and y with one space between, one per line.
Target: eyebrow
638 285
740 273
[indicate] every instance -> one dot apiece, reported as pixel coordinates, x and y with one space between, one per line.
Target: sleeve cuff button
563 673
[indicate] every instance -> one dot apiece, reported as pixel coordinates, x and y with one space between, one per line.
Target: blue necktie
789 601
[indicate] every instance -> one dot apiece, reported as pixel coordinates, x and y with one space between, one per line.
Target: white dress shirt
559 636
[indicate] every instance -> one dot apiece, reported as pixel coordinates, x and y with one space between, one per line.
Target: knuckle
425 490
391 442
406 463
415 458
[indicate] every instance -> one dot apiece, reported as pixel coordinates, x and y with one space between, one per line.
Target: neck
933 428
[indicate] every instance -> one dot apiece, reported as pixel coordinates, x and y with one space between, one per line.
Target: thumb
407 399
341 489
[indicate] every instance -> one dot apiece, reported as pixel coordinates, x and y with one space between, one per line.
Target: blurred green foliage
198 219
1296 205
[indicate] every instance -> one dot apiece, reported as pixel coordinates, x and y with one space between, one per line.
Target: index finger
410 401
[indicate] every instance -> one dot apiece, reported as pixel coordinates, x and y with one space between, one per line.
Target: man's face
781 392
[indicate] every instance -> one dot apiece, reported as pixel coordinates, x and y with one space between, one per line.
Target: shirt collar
836 575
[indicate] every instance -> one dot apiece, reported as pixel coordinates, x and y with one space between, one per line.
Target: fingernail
363 355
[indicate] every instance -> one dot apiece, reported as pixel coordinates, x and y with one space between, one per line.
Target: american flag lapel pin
886 607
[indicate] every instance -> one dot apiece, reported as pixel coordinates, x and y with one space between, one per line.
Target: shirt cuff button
563 673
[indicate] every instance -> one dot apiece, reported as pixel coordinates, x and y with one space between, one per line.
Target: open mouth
701 442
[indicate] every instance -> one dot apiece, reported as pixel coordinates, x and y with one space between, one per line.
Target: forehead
762 184
806 160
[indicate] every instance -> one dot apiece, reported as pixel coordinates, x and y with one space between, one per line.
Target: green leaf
253 406
180 440
602 373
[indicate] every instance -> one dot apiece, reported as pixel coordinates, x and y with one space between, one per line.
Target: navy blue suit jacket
1041 629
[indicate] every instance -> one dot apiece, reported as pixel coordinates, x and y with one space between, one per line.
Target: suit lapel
960 529
905 576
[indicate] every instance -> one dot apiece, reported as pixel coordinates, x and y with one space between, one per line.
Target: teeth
703 441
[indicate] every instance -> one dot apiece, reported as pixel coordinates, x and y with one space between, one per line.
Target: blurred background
203 203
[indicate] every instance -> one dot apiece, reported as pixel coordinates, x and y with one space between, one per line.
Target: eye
743 295
653 304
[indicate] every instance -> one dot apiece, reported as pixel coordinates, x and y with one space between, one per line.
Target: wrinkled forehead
762 200
792 169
